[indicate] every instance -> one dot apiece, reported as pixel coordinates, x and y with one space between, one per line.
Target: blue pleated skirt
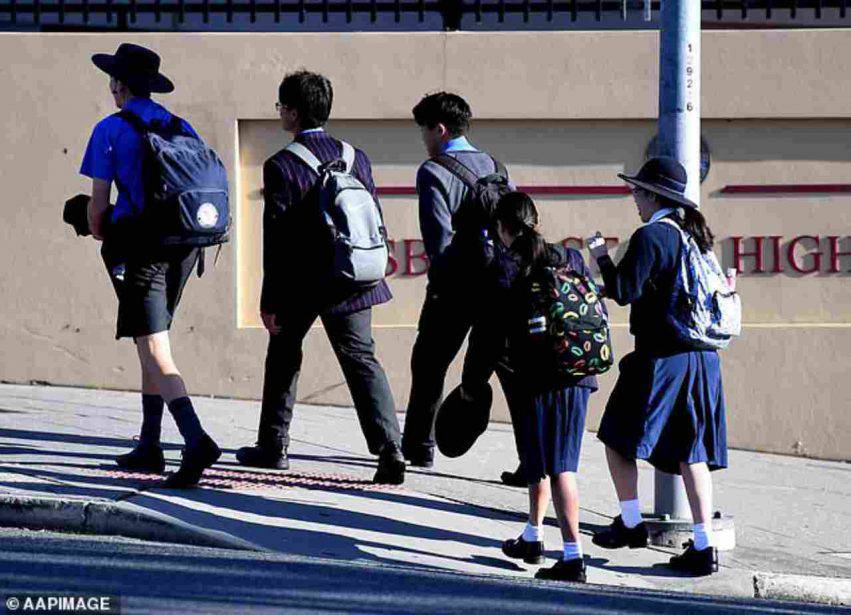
668 410
551 433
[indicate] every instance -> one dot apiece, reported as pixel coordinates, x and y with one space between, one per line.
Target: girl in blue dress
550 419
667 406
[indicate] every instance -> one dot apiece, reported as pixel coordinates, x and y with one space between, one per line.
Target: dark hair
139 91
137 87
308 93
692 222
444 108
519 217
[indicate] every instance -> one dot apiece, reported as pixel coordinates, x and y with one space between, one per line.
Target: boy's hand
270 321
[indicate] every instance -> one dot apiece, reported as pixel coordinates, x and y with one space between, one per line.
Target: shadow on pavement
166 578
67 438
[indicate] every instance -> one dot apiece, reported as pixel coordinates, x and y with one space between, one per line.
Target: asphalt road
166 578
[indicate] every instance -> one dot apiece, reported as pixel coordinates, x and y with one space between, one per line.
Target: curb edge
110 518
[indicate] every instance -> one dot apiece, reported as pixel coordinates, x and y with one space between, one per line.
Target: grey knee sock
187 421
152 420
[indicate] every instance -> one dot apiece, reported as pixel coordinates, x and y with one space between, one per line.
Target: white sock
533 533
630 513
572 550
703 536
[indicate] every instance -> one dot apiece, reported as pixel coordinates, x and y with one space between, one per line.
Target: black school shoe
263 457
699 563
529 552
391 467
572 570
195 460
618 535
143 459
420 458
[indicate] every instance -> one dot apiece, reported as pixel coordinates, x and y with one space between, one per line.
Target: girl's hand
597 246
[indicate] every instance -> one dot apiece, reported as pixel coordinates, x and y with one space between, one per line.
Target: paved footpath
792 515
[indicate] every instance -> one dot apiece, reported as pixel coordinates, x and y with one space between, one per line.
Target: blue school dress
551 417
668 403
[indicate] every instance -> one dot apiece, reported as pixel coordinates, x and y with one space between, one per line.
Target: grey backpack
352 217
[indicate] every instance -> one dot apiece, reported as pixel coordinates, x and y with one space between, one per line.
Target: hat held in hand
76 214
462 418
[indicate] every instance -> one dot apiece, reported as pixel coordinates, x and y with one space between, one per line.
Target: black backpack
473 222
186 187
567 325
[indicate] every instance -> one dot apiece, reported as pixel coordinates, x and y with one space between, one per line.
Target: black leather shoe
699 563
515 479
263 457
420 458
195 460
571 570
143 459
529 552
391 467
617 535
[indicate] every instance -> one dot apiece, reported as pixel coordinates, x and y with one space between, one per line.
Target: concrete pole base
667 532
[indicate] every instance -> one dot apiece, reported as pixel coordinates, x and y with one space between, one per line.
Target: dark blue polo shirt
114 153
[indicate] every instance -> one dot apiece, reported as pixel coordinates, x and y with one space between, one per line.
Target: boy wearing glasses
295 292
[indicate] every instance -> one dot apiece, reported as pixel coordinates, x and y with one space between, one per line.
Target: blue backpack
186 186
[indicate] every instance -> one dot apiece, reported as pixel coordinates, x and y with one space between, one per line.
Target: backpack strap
684 237
305 155
348 156
309 158
670 222
134 120
684 234
459 170
500 169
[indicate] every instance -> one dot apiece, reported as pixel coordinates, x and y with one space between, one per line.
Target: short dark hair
308 93
139 90
138 87
444 108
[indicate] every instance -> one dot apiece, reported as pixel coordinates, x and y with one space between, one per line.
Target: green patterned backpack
568 325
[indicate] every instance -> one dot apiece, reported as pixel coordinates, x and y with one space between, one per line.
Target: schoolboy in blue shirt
149 280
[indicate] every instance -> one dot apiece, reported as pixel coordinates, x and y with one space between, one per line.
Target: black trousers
351 338
445 322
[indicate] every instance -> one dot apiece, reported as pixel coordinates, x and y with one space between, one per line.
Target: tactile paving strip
234 479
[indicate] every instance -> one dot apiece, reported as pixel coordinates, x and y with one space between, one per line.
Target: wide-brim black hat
664 176
461 421
135 66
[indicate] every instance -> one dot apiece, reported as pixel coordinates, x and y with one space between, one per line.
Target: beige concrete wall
559 108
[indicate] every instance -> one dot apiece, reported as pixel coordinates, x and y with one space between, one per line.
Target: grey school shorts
151 289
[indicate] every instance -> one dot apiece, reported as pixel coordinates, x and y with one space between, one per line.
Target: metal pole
679 137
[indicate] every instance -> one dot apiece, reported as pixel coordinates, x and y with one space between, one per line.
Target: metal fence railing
403 14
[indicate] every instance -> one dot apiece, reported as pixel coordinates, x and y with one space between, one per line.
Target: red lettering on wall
776 263
392 263
739 254
835 254
803 254
411 257
816 256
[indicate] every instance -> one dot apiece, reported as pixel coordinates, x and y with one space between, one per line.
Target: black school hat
664 176
461 421
135 66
